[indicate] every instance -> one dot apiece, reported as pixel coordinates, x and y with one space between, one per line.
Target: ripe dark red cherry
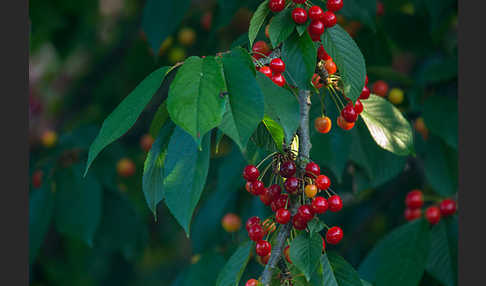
266 71
259 48
322 54
255 232
319 205
274 191
251 173
432 214
291 185
299 15
329 19
365 93
366 80
278 79
305 212
254 220
349 114
334 5
358 106
282 216
276 5
287 169
263 248
265 197
279 203
323 182
298 222
312 169
277 65
380 88
315 37
315 13
335 203
334 235
412 214
299 1
447 207
316 27
414 199
257 188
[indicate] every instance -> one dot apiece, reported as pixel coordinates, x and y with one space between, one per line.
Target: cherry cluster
301 188
414 202
276 67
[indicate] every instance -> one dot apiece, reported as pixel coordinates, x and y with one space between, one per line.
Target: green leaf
348 58
202 273
245 107
276 131
305 251
257 21
41 205
125 115
315 225
280 105
233 269
441 262
300 56
409 243
78 204
153 169
365 283
440 167
160 117
440 116
281 27
388 73
338 272
390 130
301 29
185 172
161 18
269 137
197 107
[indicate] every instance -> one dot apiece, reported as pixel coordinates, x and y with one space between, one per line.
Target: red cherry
248 187
414 199
380 88
298 222
349 114
287 169
274 191
37 178
265 197
299 15
291 185
263 248
432 214
315 13
276 5
334 235
279 203
266 258
380 8
329 19
277 65
366 80
335 203
319 205
278 79
287 254
323 182
251 173
412 214
257 188
365 93
312 169
255 232
260 47
447 207
330 66
358 106
334 5
322 54
282 216
323 245
254 220
251 282
299 1
316 27
315 37
305 212
266 71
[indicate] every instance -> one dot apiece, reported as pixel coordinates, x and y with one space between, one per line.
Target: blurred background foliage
86 56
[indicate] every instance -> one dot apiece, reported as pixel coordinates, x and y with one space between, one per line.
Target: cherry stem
266 158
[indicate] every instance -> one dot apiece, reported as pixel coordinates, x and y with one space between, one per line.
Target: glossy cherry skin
274 191
310 190
254 220
329 19
279 203
265 197
334 235
251 282
263 248
414 199
312 169
276 5
316 27
315 37
315 13
341 122
305 212
323 182
432 214
277 65
349 114
266 71
298 222
335 203
322 54
330 66
412 214
299 1
278 79
260 47
299 15
288 169
380 88
257 188
358 106
365 93
334 5
282 216
255 232
447 207
292 185
251 173
319 205
366 80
